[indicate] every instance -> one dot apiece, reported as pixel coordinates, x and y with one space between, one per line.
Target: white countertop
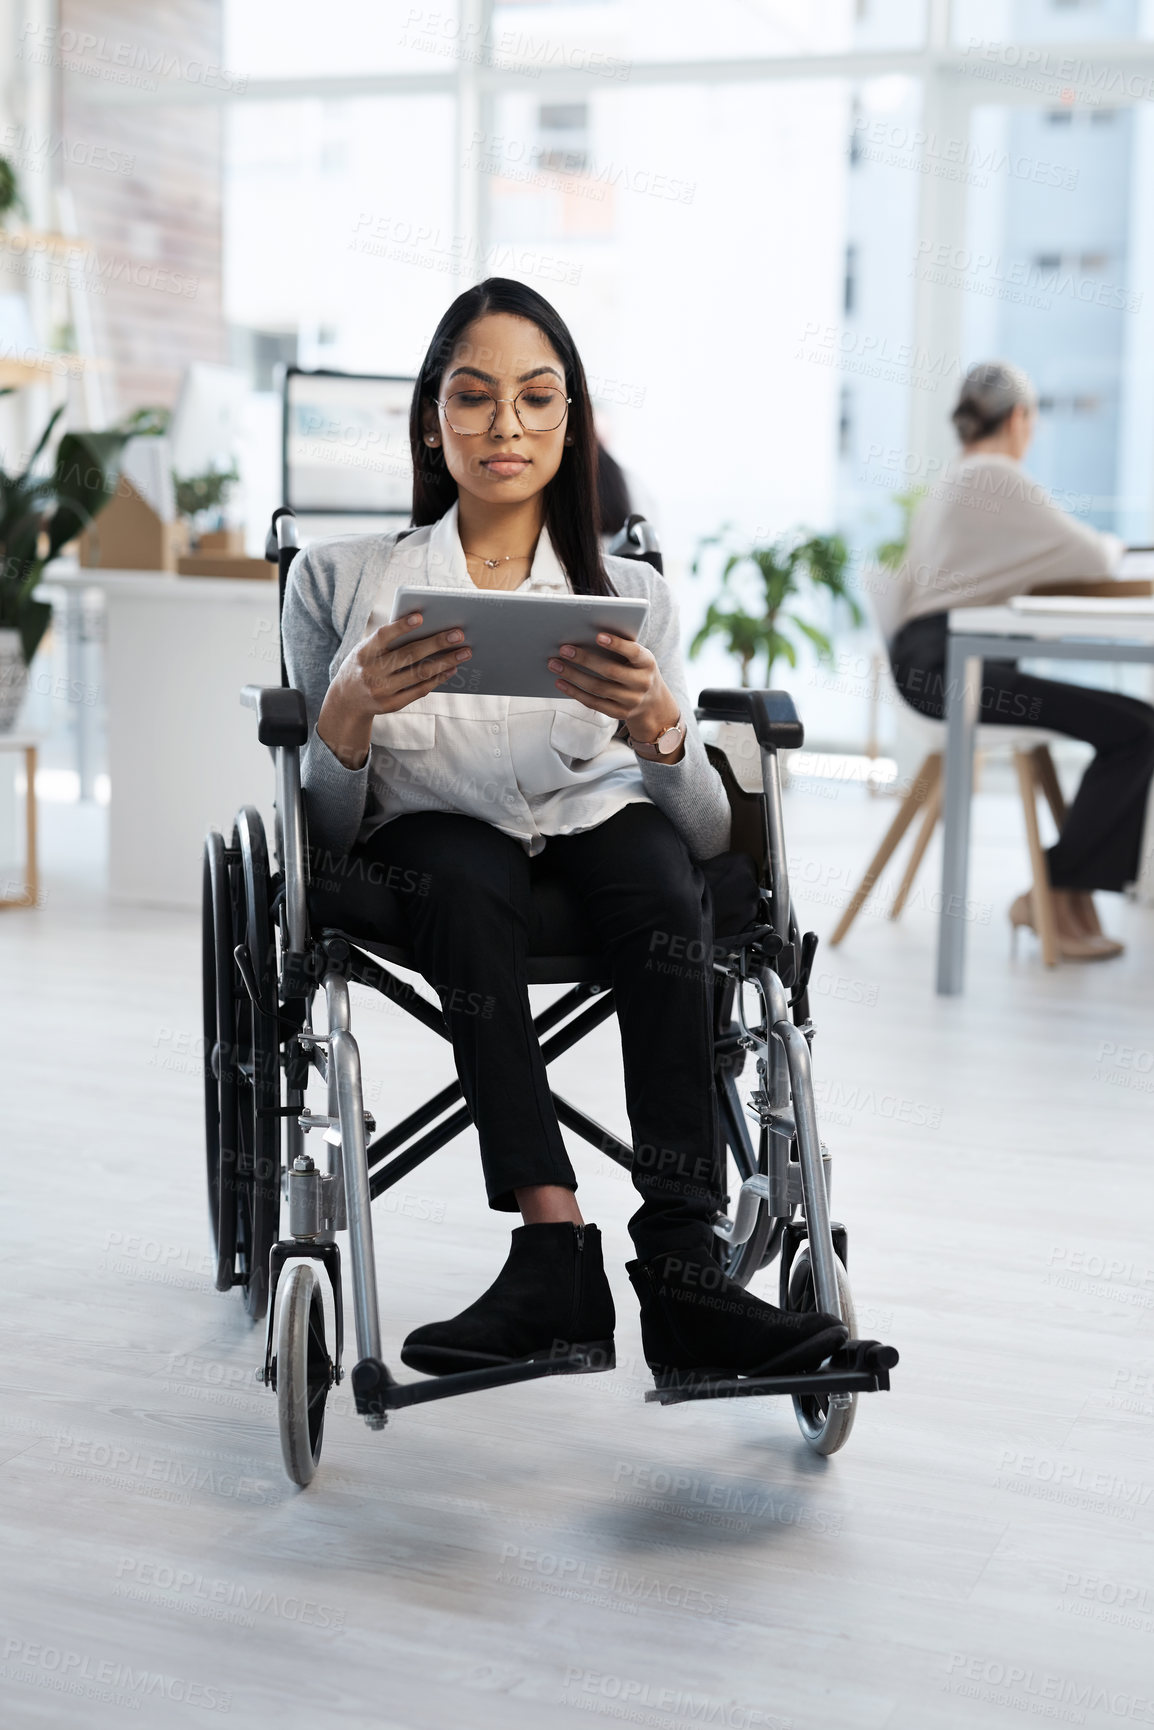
158 585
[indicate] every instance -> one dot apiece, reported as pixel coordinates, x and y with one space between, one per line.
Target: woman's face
504 355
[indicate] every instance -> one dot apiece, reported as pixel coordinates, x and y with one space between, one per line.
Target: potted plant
39 513
200 499
775 577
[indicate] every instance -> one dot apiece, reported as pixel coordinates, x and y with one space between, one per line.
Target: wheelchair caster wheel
824 1421
303 1371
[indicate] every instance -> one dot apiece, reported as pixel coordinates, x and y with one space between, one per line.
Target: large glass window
339 226
610 39
752 261
295 38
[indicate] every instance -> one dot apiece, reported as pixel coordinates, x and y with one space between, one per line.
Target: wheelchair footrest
860 1367
377 1393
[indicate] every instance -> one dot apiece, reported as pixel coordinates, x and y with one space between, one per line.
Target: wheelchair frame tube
292 861
776 1009
338 1021
817 1222
775 837
345 1060
290 856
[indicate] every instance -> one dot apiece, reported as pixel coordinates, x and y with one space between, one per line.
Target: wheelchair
267 971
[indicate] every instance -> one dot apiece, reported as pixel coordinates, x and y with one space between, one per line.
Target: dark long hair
571 509
613 499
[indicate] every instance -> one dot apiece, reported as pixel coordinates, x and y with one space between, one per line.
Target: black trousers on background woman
1101 839
646 905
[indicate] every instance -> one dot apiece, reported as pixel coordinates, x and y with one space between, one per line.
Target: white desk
182 753
1053 627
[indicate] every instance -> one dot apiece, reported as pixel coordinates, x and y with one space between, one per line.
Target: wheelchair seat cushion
363 898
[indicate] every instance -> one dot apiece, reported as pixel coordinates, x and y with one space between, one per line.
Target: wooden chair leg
924 783
1043 899
1047 779
930 817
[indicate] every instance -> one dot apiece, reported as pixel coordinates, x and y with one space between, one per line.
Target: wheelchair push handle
282 534
281 546
637 539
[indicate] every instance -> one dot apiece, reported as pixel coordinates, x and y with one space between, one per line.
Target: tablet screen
513 635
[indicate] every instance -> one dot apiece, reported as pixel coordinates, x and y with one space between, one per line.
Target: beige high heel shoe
1084 948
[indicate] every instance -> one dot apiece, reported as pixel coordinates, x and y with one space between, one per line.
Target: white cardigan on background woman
987 531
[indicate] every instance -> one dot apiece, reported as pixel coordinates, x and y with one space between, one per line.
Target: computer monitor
346 444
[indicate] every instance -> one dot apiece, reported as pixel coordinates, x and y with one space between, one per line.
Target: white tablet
513 635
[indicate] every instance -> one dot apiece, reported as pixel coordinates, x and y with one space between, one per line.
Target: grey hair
990 392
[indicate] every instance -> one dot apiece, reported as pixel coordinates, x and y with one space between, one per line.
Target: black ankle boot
695 1319
550 1296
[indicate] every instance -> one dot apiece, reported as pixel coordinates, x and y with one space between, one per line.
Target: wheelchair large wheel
218 977
303 1373
257 1146
825 1426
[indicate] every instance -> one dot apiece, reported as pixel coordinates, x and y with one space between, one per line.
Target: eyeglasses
539 408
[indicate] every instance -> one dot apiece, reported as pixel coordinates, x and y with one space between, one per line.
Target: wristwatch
666 744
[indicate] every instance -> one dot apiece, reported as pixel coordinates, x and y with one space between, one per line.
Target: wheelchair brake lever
245 968
804 968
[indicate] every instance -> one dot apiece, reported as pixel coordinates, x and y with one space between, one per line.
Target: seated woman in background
990 533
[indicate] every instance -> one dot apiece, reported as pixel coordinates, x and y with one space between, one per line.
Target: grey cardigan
332 588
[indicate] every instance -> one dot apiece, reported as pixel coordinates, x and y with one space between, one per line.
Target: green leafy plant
207 492
783 571
10 198
40 512
147 422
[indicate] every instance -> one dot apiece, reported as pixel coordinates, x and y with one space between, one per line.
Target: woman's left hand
619 678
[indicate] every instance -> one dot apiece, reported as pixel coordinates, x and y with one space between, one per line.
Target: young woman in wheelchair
604 793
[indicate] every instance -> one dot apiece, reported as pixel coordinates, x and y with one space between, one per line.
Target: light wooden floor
564 1554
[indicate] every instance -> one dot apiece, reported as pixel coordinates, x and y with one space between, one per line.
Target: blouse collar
447 567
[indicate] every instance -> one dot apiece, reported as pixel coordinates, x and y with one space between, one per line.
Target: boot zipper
578 1262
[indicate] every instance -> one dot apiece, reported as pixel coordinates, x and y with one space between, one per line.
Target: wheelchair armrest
281 716
776 723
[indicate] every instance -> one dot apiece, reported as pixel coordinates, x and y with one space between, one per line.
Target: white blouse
530 766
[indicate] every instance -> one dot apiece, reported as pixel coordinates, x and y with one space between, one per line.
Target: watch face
670 740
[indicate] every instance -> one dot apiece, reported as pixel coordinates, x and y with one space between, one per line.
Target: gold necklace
491 564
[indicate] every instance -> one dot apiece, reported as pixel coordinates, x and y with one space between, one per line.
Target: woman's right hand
378 679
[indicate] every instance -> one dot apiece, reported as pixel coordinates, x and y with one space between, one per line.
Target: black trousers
645 904
1101 838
